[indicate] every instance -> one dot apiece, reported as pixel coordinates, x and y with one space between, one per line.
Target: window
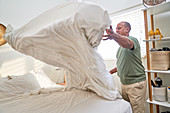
108 48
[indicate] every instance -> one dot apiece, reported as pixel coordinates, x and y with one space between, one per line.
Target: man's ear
127 30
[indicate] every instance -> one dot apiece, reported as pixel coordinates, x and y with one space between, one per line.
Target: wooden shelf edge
157 71
165 104
162 39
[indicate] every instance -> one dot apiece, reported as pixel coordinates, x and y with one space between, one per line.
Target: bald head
123 28
127 24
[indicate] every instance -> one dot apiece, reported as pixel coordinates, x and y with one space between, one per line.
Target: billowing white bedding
73 101
70 42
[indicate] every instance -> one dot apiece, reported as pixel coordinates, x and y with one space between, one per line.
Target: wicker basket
160 60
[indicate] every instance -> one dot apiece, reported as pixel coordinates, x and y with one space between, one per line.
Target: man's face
122 29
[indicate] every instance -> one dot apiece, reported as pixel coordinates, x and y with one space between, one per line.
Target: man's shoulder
131 37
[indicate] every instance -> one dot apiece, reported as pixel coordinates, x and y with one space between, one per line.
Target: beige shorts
136 95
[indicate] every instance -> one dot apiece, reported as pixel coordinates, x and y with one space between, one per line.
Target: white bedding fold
68 41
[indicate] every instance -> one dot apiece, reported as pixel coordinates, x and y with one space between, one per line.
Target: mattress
34 92
73 101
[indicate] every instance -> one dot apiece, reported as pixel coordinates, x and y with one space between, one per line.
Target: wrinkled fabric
73 101
69 41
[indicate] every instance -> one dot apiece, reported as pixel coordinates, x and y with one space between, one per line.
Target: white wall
18 13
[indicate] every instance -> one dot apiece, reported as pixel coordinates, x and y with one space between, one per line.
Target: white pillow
44 80
56 74
15 85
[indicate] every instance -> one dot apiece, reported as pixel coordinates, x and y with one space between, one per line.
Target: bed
35 92
69 42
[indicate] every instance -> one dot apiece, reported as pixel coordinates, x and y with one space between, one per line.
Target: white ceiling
116 5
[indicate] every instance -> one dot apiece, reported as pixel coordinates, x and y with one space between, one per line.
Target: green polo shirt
129 64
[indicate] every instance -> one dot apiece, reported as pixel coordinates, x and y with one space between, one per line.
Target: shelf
165 104
162 39
164 7
157 71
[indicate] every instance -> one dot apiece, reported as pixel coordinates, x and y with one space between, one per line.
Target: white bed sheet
73 101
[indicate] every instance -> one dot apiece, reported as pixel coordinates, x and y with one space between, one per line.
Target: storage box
159 93
160 60
168 94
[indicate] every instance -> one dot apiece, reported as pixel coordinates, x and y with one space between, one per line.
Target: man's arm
123 41
2 41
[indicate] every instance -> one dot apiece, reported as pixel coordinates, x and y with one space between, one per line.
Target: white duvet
69 41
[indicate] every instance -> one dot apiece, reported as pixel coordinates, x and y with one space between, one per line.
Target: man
129 66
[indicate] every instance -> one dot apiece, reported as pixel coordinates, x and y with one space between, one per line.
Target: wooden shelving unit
150 12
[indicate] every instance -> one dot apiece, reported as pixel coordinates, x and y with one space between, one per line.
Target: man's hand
110 33
2 33
123 41
2 41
